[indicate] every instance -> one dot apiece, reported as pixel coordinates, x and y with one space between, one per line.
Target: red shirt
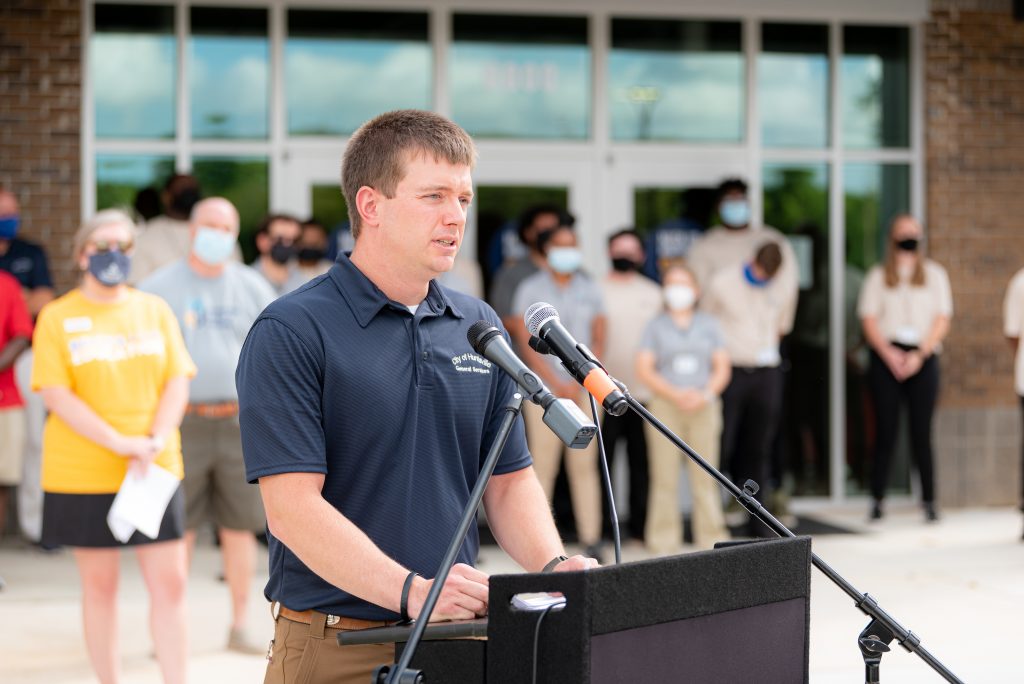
14 322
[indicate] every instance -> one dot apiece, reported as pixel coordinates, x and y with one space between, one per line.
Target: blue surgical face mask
213 247
110 268
735 213
565 260
9 227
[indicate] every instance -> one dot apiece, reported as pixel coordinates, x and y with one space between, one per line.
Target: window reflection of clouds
531 91
120 176
861 101
700 96
133 85
333 86
793 92
229 87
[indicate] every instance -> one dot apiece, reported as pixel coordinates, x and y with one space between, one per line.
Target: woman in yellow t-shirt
113 371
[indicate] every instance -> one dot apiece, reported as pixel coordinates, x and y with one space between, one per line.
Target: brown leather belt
333 621
223 409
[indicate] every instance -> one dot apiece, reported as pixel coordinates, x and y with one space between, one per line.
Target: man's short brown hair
769 258
377 153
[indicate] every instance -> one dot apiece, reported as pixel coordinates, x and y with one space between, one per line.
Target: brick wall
974 124
40 104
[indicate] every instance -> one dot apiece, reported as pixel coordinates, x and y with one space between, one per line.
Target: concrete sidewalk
958 585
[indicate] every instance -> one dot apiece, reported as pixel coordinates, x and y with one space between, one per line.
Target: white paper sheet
141 502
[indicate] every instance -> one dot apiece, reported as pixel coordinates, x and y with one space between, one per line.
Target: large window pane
520 76
874 194
120 177
876 86
342 68
792 85
676 80
796 202
132 60
228 72
243 180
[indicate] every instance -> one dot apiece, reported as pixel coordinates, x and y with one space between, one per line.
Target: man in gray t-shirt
216 301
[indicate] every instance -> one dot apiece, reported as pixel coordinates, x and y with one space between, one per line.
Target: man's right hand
464 595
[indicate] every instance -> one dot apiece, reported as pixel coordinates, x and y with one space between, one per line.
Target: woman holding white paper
113 371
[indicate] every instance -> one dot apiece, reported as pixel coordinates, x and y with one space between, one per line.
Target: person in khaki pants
682 359
563 284
366 414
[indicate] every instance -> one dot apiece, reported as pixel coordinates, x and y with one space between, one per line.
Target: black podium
734 614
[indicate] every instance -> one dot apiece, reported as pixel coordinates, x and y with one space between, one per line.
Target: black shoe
930 514
876 511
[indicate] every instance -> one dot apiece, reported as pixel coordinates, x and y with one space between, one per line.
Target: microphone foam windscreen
537 314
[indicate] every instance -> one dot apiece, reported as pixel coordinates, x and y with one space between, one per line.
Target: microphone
562 416
542 322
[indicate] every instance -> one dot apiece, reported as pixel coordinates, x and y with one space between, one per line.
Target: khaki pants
580 466
702 431
310 654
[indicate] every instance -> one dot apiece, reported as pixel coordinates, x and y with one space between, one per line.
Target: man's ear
368 206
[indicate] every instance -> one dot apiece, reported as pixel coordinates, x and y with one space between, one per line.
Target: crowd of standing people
135 368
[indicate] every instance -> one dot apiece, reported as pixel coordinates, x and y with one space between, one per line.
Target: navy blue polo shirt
396 410
27 263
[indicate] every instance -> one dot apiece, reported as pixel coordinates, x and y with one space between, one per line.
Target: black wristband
404 604
553 562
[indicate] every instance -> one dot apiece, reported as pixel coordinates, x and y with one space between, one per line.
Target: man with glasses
215 301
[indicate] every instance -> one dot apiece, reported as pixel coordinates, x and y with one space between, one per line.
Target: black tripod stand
881 631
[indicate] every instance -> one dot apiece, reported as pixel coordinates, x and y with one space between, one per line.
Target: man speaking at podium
366 416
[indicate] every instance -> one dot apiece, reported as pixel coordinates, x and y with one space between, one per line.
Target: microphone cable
536 637
607 482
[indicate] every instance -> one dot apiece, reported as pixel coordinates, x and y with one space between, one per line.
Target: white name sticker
685 364
769 356
908 336
77 324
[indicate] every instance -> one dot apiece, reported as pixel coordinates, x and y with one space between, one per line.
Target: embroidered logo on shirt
471 363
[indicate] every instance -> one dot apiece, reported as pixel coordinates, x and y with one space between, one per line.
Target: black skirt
81 520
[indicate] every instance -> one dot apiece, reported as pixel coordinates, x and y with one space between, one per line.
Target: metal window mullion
278 150
752 48
599 37
836 260
917 166
183 129
440 37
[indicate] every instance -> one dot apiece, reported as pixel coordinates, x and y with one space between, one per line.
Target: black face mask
908 245
183 201
623 265
311 254
281 253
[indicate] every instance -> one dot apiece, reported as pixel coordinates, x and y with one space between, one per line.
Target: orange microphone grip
599 384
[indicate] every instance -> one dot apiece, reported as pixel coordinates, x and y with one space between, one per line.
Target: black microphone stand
400 673
607 482
875 639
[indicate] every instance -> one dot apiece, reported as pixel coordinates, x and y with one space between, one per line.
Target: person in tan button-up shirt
753 317
905 307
